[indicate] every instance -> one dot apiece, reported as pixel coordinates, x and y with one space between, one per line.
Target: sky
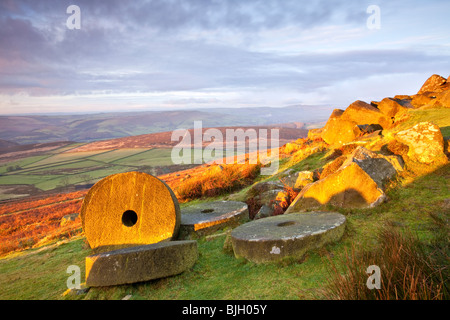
187 54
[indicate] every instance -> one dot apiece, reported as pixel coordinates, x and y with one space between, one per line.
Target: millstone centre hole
129 218
286 223
207 210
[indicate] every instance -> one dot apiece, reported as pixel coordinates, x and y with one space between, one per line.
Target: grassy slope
439 116
418 205
218 275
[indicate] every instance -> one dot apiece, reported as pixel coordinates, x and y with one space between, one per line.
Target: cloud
239 48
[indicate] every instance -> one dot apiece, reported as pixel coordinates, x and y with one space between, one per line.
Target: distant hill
31 129
4 144
17 151
163 139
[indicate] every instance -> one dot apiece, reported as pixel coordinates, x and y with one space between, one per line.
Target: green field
62 168
21 163
24 179
66 157
153 157
114 155
79 178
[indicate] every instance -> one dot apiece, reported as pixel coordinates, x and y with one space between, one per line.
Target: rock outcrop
332 166
391 107
346 126
435 83
379 167
338 131
359 179
353 181
435 93
349 187
442 100
264 212
420 100
304 178
364 113
425 142
315 133
265 186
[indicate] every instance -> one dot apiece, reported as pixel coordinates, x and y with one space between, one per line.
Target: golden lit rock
349 187
425 142
364 113
434 83
338 131
391 107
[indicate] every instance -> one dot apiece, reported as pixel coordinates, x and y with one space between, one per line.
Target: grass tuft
409 270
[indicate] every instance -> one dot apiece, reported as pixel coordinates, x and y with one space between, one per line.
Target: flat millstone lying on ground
140 263
286 236
205 218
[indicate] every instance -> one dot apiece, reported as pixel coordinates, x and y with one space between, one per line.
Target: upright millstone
129 209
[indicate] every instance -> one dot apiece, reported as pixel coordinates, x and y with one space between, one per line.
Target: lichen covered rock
442 100
364 113
379 167
425 142
434 83
339 131
391 107
304 178
315 133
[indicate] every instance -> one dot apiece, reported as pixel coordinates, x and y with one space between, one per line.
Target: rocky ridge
364 147
362 150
